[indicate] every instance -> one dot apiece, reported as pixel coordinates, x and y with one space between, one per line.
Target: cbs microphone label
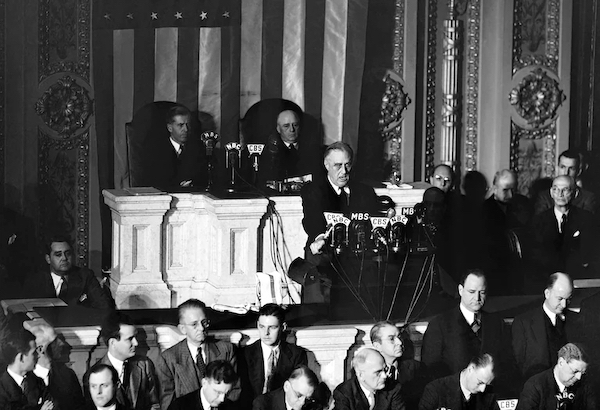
333 218
256 148
379 222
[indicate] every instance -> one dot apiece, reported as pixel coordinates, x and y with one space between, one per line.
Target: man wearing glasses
182 367
295 393
562 386
366 389
565 237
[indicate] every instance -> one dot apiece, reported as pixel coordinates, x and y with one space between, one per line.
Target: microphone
378 233
233 152
209 139
338 229
397 232
357 233
254 153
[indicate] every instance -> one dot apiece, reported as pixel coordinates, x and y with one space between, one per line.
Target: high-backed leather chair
260 120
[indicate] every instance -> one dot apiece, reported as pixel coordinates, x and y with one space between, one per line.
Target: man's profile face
568 166
214 391
124 348
288 126
441 178
269 330
373 372
338 165
473 293
505 188
570 372
179 128
60 258
193 325
562 191
30 358
102 388
478 378
558 296
297 392
391 346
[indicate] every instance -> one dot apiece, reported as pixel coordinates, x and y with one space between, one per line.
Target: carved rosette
65 107
536 100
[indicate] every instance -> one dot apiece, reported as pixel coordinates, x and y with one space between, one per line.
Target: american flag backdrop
221 57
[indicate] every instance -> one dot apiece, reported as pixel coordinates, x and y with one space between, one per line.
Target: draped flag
220 57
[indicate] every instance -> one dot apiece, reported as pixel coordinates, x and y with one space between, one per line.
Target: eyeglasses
441 178
300 396
575 371
561 191
205 323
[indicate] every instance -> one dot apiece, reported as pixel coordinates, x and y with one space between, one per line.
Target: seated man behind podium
296 391
336 192
138 385
286 154
20 389
179 160
74 285
268 362
367 389
181 368
561 387
467 389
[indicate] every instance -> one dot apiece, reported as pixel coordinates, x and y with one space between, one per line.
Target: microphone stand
254 153
210 140
233 152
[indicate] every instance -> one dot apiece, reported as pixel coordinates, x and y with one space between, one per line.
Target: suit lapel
362 402
256 367
13 391
188 366
212 352
538 328
134 372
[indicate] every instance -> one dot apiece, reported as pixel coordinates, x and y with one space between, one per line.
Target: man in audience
454 337
538 334
62 383
217 383
138 386
569 164
74 285
367 389
565 236
334 193
268 362
560 387
296 391
286 154
102 381
442 178
505 209
178 160
387 340
182 367
20 389
465 390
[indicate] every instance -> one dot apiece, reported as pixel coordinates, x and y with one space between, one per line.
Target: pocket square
82 297
576 234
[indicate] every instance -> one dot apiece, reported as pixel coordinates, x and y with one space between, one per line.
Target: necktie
563 223
200 364
179 150
393 376
271 363
371 400
476 325
344 201
63 288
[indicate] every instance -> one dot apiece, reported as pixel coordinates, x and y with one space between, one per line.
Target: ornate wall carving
64 107
2 95
472 91
431 83
535 92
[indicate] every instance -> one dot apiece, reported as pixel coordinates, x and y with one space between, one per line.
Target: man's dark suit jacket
83 289
274 400
446 393
13 398
178 374
540 393
64 388
319 196
349 396
252 369
530 341
142 385
163 169
449 342
278 162
569 252
587 332
585 200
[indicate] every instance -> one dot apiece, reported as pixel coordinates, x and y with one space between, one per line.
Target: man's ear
47 257
181 328
284 326
170 128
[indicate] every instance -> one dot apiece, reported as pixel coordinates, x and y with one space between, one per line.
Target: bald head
442 177
558 292
562 191
369 366
505 185
288 126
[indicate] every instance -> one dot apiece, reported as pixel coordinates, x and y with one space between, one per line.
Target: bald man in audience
569 164
182 367
565 237
468 389
387 340
62 382
296 391
504 210
442 178
561 387
367 388
538 334
454 337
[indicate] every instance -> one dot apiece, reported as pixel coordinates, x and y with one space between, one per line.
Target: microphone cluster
363 232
